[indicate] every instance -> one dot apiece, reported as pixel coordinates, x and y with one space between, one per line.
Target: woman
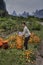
26 33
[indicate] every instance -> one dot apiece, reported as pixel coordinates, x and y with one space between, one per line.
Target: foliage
11 24
14 55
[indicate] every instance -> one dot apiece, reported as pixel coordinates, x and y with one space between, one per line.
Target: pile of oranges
3 43
27 53
34 38
18 41
30 56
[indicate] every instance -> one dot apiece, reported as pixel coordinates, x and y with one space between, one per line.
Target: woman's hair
24 23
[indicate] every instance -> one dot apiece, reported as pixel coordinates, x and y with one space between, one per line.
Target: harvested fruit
19 42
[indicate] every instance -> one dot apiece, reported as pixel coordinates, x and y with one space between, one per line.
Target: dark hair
24 23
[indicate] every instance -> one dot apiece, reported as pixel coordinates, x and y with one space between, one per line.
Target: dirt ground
39 56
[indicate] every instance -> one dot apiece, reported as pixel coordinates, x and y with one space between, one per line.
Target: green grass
9 57
39 33
14 56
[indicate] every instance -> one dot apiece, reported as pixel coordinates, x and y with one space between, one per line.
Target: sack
19 42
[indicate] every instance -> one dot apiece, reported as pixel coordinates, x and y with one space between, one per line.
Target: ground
39 59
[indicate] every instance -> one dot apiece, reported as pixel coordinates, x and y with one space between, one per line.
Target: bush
36 26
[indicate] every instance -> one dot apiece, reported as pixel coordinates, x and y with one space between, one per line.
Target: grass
39 33
9 57
14 56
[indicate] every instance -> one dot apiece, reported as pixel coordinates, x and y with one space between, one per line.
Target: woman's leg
26 42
